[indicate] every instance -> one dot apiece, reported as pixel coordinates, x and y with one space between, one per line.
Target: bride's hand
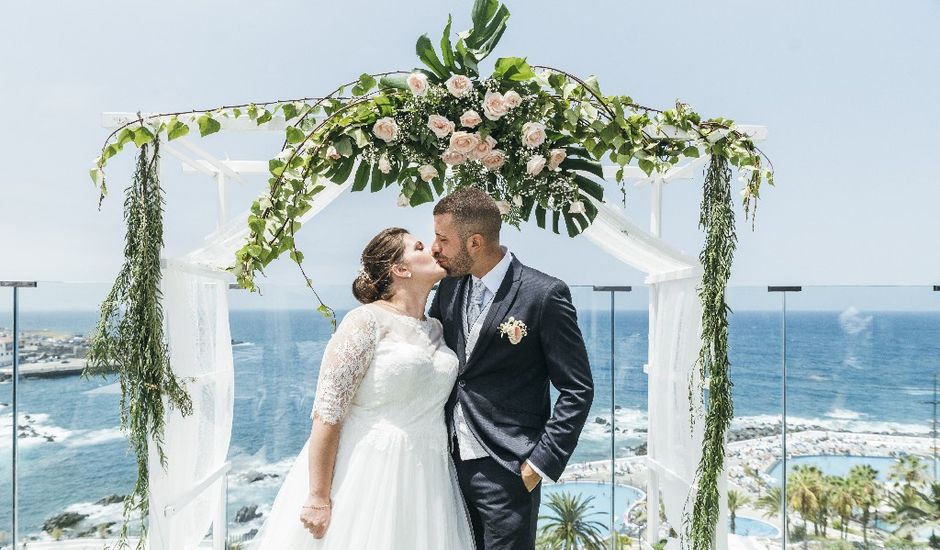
315 515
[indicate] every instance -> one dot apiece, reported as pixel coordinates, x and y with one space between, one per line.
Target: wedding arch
539 140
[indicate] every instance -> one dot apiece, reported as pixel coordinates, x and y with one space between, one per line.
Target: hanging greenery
129 336
717 220
531 136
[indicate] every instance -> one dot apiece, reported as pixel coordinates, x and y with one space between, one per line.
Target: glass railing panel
7 429
861 414
755 439
73 465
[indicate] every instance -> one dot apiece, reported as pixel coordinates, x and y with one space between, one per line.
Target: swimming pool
751 527
624 497
838 465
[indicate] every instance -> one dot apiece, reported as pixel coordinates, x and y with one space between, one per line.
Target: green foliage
568 525
333 139
129 336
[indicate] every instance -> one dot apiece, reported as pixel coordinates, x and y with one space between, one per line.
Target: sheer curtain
196 318
674 446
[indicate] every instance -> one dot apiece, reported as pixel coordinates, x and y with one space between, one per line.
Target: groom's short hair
473 211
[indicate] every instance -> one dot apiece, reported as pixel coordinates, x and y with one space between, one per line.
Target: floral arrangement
533 137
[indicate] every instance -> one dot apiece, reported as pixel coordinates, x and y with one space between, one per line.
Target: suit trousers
503 513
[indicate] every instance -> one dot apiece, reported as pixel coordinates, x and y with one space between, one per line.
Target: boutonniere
514 329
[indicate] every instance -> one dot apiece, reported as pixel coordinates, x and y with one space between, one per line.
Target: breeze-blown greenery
532 136
129 336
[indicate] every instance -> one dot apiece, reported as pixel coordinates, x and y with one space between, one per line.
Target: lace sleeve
345 361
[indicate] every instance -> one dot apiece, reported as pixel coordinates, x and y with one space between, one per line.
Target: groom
505 436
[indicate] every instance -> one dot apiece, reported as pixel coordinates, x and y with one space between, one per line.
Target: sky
847 90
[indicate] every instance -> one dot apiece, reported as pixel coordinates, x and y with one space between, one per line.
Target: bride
376 471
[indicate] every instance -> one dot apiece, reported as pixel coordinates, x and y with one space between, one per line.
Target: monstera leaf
473 45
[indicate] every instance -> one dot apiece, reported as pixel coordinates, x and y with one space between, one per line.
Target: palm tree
868 490
770 502
843 502
803 493
736 500
914 509
910 472
569 528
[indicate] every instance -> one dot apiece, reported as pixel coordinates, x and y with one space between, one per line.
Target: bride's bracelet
326 506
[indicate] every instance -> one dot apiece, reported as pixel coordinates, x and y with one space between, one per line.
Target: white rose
464 142
577 207
332 153
517 200
533 134
418 83
451 157
384 165
494 160
427 172
555 158
535 165
385 129
494 105
403 201
459 85
513 99
503 206
440 126
470 119
485 146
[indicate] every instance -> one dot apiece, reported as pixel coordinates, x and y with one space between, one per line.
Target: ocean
849 369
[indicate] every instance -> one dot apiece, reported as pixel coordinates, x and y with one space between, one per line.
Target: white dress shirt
470 447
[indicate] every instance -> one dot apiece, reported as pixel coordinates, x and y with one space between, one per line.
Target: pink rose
427 172
451 157
470 119
555 158
385 129
533 134
418 83
515 335
494 160
459 85
494 105
440 126
504 207
485 146
535 165
332 153
464 142
513 99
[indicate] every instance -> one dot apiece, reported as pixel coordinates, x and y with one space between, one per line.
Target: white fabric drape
196 316
674 447
197 329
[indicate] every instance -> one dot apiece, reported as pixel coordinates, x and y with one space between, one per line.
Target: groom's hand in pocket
315 518
530 477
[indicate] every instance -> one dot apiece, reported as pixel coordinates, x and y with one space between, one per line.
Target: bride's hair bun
375 277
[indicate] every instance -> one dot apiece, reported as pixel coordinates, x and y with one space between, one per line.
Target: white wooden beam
237 166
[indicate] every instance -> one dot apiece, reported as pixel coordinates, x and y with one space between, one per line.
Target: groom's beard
459 265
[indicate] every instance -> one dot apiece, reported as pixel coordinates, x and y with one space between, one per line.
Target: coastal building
6 351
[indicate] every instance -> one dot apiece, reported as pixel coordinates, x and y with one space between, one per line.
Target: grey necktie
477 294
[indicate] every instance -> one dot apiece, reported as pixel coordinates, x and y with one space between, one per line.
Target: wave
844 414
95 437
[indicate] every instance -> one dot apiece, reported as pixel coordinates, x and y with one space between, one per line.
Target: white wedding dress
387 377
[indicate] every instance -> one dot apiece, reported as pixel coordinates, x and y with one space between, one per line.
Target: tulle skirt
391 492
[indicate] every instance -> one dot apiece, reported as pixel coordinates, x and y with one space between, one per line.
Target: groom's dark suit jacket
504 388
